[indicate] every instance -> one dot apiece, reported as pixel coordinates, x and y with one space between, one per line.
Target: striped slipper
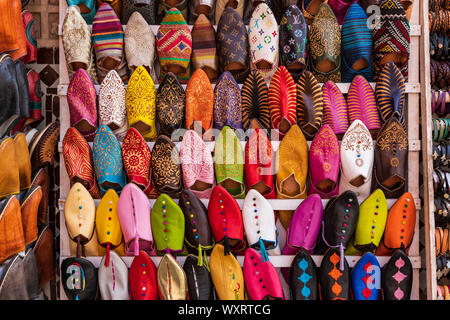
255 106
227 103
108 43
309 105
282 101
362 105
204 48
391 38
335 112
356 45
390 93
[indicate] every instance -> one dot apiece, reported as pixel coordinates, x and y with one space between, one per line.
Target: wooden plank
427 151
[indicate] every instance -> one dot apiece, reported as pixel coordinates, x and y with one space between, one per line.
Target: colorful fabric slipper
136 158
28 23
227 103
303 277
79 270
293 41
341 8
199 282
255 105
366 278
140 44
263 36
335 112
334 276
174 44
324 163
225 220
222 5
292 169
108 160
147 8
199 102
390 93
112 108
172 282
82 99
166 168
76 38
170 101
391 38
356 45
141 103
229 162
362 105
397 277
309 104
232 44
391 154
282 96
86 7
113 279
204 47
258 166
142 274
325 46
197 165
116 5
357 154
78 161
261 278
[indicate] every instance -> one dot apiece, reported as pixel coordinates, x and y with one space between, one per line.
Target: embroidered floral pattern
165 163
170 100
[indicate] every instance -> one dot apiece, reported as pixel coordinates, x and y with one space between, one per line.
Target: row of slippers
224 279
442 252
165 170
277 107
129 224
234 48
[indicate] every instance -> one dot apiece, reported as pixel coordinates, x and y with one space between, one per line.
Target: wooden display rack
413 89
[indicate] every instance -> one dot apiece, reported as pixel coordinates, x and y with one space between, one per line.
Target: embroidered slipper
140 45
174 44
357 154
258 166
136 158
391 154
78 161
325 46
263 35
166 167
204 47
362 105
255 106
108 160
170 101
309 104
282 96
341 8
222 5
334 276
199 103
167 5
197 165
390 93
43 146
366 277
293 41
292 169
324 163
356 45
232 44
303 277
142 275
108 43
391 39
82 99
225 220
112 104
397 277
79 279
76 38
86 7
141 104
147 8
229 162
28 23
227 103
335 112
202 7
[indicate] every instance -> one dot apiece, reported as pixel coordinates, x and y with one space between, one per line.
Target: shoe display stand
414 88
